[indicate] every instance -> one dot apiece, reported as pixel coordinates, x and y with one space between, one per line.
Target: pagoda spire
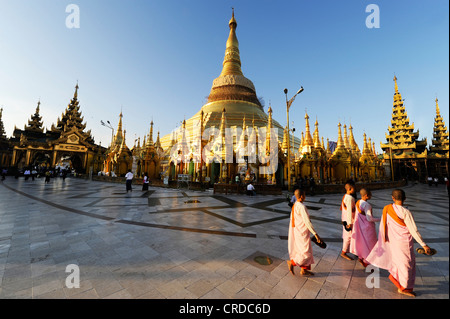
151 132
366 149
119 133
438 111
35 123
231 83
316 135
396 85
232 60
340 142
308 138
440 141
401 136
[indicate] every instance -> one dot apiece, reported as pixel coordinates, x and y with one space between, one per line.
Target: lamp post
112 130
288 105
390 157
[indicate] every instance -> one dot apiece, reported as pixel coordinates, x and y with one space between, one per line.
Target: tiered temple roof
440 141
402 140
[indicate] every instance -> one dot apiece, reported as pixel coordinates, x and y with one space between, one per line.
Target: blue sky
156 60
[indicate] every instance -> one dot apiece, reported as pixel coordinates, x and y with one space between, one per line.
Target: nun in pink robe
364 234
394 250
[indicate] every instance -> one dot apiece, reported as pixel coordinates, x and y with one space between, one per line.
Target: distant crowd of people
38 172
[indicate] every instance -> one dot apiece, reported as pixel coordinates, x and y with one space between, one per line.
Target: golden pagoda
235 94
438 155
66 142
404 153
119 158
440 141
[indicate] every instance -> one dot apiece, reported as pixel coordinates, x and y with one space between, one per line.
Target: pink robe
299 241
364 234
395 252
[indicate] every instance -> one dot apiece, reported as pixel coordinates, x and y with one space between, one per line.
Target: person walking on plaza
129 180
447 183
364 234
394 250
299 241
251 190
348 215
47 176
145 182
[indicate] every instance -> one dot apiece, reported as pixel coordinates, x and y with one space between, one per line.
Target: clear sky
156 60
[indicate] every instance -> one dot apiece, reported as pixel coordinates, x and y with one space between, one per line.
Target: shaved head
399 194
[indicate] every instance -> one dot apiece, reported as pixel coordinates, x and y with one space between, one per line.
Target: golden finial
396 86
437 106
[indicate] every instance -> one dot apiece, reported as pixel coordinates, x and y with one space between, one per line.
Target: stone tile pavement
175 244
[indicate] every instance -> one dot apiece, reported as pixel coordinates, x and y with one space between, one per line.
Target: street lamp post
110 127
288 105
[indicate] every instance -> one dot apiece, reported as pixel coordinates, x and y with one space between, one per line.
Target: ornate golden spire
151 132
438 112
308 138
340 142
396 86
232 60
316 135
119 134
231 83
366 150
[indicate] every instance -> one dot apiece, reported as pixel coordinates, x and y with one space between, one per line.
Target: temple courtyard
86 239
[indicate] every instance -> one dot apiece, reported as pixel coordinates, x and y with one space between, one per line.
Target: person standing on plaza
348 215
145 182
364 234
299 241
447 183
129 180
27 174
251 189
47 176
394 250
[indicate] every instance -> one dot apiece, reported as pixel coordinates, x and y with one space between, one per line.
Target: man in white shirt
251 190
129 180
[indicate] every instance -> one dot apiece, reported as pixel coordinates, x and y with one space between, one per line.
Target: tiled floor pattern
168 243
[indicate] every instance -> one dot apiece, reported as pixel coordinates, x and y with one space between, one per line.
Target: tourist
364 234
47 176
347 217
4 172
394 250
145 182
251 190
430 180
27 174
436 181
129 180
299 241
447 183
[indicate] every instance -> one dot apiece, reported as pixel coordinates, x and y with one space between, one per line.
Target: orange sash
389 210
359 209
292 214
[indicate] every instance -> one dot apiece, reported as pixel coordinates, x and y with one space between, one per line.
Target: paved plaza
175 243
